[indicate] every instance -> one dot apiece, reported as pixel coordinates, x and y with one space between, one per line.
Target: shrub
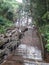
4 24
47 47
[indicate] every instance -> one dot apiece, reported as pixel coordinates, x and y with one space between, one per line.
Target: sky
19 1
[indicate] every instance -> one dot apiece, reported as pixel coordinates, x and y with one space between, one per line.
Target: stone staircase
29 52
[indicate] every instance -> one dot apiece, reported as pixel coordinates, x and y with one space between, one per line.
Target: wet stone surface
27 52
9 42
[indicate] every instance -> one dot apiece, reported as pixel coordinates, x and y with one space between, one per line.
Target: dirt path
28 51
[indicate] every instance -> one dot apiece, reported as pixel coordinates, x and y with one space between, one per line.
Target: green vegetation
43 20
10 11
40 12
4 24
8 15
8 8
45 31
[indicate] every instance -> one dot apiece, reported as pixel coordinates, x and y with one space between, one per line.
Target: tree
8 8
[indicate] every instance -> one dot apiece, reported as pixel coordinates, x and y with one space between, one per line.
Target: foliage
39 10
8 8
45 31
4 24
8 13
45 17
47 46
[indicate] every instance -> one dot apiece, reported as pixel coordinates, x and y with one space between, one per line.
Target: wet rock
8 34
8 37
13 38
2 53
6 40
7 51
16 33
1 43
13 31
10 41
18 43
13 45
23 29
21 35
1 35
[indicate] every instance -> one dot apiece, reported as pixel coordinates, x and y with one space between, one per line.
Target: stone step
24 61
29 52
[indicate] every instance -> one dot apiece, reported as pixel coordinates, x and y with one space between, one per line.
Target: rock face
23 28
9 41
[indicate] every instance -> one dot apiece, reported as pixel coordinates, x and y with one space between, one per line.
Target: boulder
2 53
13 45
1 43
8 34
2 35
23 28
